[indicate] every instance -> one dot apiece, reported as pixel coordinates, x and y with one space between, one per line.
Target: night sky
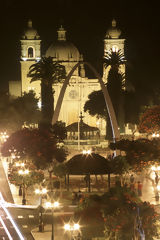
86 23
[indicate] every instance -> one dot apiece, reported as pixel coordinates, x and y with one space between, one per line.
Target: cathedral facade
67 54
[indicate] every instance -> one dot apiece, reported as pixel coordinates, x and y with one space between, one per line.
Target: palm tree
116 83
114 59
49 73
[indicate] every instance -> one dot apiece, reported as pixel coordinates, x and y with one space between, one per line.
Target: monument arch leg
112 116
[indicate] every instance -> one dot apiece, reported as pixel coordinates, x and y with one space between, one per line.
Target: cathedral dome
30 33
113 32
63 50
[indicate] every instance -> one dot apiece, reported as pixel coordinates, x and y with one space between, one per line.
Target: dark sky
86 23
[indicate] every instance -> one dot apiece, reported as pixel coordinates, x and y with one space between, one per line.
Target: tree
115 214
49 73
140 154
115 85
150 120
60 171
117 165
59 131
95 105
14 112
35 145
34 176
121 220
114 59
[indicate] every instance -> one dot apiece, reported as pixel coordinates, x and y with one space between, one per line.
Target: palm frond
114 58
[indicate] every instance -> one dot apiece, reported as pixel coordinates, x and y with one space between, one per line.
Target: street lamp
52 206
3 136
41 192
154 135
73 229
18 164
87 152
23 173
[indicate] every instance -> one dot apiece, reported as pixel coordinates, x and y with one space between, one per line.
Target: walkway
4 185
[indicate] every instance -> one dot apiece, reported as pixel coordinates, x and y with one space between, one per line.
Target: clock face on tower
73 94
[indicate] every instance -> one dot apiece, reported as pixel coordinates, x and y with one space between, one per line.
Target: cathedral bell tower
113 41
30 54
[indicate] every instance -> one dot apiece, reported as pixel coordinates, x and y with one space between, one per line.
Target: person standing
139 188
156 179
132 179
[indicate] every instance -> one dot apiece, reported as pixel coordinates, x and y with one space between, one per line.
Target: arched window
115 48
30 52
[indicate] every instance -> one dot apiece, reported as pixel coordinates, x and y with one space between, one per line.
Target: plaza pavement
33 200
148 194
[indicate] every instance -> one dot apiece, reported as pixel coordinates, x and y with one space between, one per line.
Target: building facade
67 54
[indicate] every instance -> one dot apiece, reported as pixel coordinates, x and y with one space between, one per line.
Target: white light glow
153 168
39 104
24 59
20 172
37 191
87 151
26 171
155 135
52 205
84 151
115 49
44 190
67 227
41 191
48 204
76 226
56 204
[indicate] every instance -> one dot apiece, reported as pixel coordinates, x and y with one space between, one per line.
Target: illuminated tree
140 154
35 145
34 176
115 213
150 120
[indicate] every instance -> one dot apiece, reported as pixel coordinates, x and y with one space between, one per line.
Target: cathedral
67 54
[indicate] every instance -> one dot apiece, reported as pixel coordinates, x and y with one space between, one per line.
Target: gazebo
87 164
82 130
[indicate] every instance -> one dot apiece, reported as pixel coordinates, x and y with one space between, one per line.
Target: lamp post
20 164
87 177
23 173
41 192
52 206
74 230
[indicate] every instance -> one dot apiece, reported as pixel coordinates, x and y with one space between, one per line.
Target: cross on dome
61 34
30 23
114 23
